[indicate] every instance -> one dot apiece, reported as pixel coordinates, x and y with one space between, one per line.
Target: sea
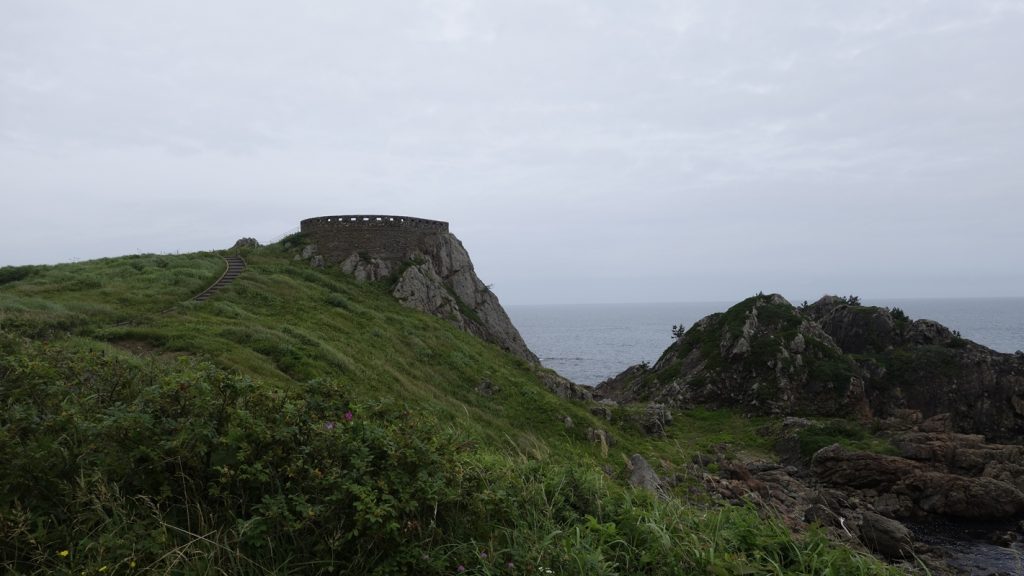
589 343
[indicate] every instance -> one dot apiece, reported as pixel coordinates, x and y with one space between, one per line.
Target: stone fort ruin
376 236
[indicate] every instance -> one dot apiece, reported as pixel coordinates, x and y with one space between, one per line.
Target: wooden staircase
236 265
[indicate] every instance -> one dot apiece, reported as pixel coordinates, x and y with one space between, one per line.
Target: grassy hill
300 422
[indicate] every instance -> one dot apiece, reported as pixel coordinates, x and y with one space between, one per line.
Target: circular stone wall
378 236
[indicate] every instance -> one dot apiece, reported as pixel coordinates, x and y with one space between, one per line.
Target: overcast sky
583 151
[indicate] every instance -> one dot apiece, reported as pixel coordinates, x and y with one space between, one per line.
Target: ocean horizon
589 343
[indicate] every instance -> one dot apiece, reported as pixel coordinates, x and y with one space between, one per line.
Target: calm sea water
588 343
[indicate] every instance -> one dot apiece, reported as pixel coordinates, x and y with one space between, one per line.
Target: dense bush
121 462
10 274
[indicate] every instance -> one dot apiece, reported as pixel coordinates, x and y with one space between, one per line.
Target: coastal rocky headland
946 415
833 358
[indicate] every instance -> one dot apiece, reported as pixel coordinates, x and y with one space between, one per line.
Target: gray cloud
584 151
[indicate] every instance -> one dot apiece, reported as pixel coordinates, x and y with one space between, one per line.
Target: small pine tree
899 315
678 331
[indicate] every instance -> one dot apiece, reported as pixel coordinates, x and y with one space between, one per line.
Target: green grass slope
302 423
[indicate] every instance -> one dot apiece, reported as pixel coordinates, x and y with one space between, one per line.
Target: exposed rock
481 311
602 437
431 272
950 495
654 419
567 421
886 536
938 423
602 412
307 251
642 475
317 261
795 424
922 365
487 388
798 345
855 329
369 269
760 356
246 243
822 515
893 505
421 288
838 466
932 492
563 387
834 358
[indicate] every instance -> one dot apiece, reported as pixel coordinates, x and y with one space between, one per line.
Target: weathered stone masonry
338 237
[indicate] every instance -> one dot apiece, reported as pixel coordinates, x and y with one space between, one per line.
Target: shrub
143 459
10 274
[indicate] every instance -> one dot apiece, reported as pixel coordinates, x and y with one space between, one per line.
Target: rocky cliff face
438 278
922 365
833 357
761 356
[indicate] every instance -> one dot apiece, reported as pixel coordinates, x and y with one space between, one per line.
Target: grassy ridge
300 422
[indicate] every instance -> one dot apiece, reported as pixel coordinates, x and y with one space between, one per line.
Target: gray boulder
642 476
886 536
246 243
654 419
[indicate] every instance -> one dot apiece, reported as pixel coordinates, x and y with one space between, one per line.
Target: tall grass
215 439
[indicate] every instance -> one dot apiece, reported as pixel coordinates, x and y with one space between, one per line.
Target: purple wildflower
460 568
348 416
483 554
329 425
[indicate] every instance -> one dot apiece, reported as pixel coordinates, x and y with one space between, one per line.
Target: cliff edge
433 274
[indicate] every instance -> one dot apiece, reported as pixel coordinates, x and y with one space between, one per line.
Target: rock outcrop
760 356
436 276
642 476
922 365
833 358
246 243
901 487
